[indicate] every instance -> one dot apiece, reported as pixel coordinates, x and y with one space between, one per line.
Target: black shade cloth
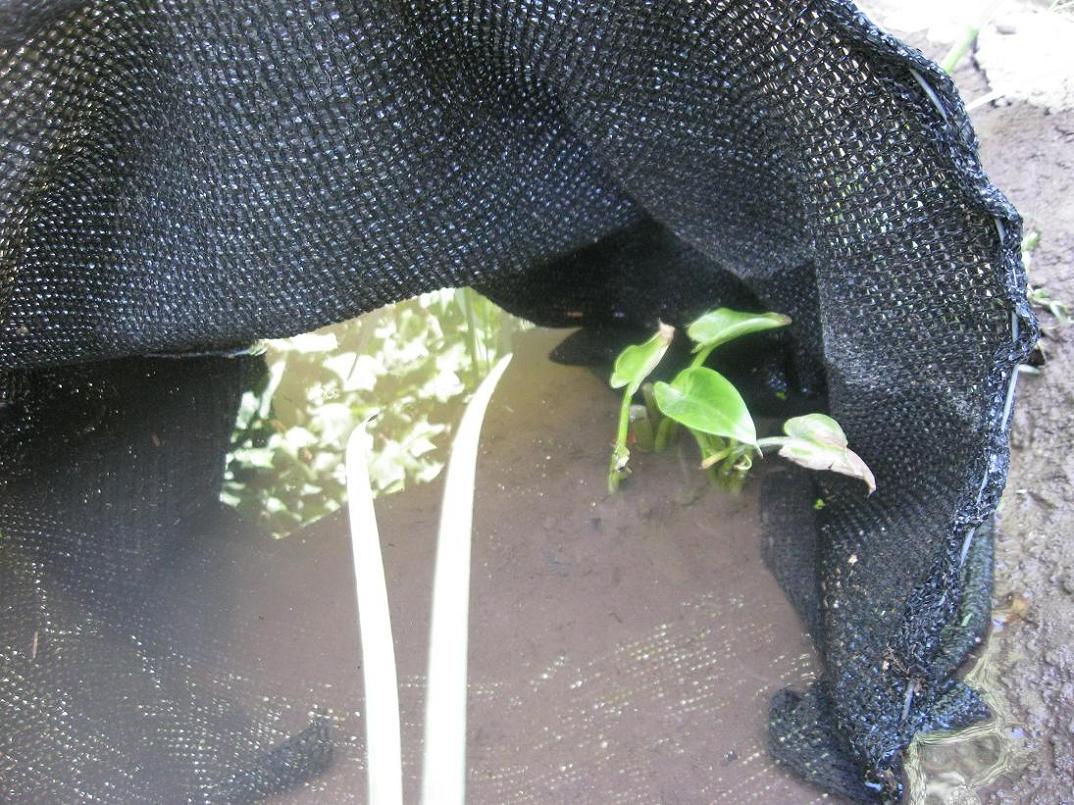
190 176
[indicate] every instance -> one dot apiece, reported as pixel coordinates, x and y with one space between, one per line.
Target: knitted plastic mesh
189 176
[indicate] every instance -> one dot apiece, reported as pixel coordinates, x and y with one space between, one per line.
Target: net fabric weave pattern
186 176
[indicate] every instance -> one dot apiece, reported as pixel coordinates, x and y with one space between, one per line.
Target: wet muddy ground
1028 152
1030 156
623 649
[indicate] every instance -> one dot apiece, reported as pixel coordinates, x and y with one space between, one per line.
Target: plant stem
651 408
718 456
615 472
664 433
624 422
703 446
702 356
471 335
700 439
771 442
959 50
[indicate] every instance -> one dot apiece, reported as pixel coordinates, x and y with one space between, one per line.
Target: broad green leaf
817 442
816 428
637 361
723 324
705 401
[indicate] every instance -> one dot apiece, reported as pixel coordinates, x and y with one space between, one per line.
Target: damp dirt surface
1028 153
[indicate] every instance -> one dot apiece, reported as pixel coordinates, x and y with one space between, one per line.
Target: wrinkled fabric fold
182 177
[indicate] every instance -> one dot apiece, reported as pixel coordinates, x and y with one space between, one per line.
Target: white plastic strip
444 771
383 754
987 98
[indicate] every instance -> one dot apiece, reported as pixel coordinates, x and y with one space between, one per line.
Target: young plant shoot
634 364
708 405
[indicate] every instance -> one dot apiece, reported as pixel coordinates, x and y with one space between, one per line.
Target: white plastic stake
383 754
444 770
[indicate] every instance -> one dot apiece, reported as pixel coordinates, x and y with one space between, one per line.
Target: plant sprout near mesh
709 407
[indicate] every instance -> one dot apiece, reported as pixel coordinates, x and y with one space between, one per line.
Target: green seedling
816 441
1038 295
1041 298
634 364
710 408
721 325
963 46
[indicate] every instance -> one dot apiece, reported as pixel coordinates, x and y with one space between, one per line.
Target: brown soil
1028 665
1029 154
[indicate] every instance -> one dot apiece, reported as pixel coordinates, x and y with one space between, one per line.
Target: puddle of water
961 768
624 648
406 371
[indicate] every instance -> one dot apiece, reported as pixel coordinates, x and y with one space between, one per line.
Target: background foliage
403 371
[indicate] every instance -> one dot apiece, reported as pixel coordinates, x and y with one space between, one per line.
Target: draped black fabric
183 176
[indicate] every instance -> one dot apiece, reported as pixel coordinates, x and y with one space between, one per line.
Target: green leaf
817 442
705 400
637 361
723 324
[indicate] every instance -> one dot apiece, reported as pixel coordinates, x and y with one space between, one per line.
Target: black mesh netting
190 176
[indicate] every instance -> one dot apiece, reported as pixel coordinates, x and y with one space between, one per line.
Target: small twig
987 98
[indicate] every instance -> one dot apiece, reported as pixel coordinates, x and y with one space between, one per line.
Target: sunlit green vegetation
405 371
